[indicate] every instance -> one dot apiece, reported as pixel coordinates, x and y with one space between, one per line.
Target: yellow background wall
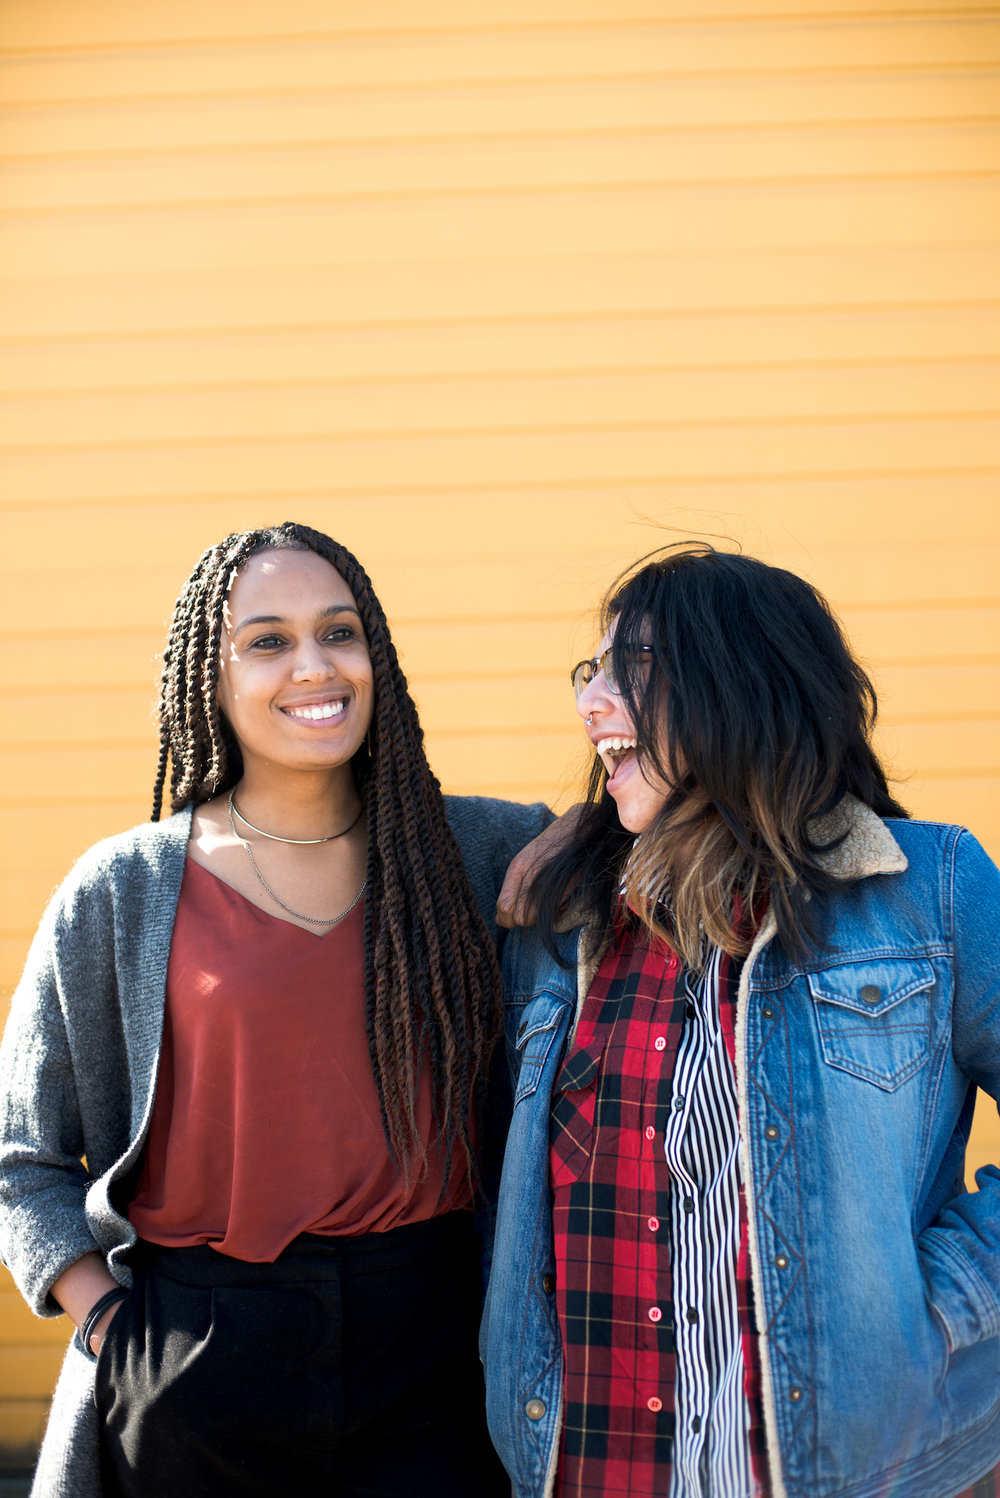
496 293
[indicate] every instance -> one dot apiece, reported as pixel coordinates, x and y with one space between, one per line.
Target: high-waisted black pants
348 1369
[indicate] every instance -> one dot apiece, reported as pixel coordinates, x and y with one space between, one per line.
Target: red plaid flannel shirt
611 1212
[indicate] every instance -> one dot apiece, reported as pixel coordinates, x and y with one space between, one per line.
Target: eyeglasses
610 662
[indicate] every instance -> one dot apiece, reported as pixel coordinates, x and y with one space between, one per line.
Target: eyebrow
327 613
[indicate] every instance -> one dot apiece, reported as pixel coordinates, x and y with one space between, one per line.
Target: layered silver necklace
299 842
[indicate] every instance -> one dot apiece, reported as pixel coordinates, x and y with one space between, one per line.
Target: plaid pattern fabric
611 1212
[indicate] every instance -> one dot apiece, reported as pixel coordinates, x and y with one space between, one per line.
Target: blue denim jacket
876 1275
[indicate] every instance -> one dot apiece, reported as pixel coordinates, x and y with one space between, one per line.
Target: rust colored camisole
266 1118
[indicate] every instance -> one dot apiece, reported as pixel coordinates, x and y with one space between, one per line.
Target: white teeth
605 745
326 710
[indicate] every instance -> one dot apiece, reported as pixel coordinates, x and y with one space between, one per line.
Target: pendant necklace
312 919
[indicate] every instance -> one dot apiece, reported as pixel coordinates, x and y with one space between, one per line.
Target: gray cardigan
78 1069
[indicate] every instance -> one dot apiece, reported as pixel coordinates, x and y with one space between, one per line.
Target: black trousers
348 1368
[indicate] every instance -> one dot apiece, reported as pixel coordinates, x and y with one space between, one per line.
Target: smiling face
638 792
296 677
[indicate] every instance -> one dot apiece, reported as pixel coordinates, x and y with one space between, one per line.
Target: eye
267 642
341 634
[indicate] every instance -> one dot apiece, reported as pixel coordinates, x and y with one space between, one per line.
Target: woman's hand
514 907
80 1287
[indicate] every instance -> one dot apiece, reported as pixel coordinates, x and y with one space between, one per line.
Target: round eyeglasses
610 662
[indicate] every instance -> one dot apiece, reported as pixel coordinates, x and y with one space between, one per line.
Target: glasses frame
599 663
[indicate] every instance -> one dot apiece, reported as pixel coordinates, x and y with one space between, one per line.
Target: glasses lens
582 674
608 665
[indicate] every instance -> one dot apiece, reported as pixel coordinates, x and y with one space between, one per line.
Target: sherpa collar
867 847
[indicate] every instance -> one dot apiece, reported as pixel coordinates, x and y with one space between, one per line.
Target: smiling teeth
327 710
615 744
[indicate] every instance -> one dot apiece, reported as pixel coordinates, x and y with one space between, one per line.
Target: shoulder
126 862
529 966
483 822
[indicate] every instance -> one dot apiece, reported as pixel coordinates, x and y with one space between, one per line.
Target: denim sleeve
960 1252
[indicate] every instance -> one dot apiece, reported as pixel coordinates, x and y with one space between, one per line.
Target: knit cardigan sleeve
79 1054
489 833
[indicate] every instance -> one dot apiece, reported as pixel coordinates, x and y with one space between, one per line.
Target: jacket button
521 1029
870 994
548 1283
781 1261
795 1395
770 1132
535 1409
768 1013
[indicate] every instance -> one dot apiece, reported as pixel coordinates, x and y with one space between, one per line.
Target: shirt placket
654 1309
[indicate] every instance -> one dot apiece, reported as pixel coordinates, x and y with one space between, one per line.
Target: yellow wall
494 293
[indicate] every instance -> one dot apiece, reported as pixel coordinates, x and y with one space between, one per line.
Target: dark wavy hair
432 987
758 718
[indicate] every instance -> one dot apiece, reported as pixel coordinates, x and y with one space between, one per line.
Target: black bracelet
97 1310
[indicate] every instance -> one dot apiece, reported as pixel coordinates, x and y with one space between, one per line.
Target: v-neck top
266 1119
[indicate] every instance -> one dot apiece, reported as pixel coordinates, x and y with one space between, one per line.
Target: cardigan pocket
874 1018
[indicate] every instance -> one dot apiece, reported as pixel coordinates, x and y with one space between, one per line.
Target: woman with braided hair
243 1082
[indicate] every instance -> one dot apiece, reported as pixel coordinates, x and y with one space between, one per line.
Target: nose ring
590 719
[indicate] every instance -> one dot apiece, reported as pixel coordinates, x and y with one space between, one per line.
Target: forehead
285 582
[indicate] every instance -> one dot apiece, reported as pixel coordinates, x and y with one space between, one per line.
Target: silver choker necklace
313 920
300 842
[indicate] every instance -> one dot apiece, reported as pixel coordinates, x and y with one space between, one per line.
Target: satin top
266 1120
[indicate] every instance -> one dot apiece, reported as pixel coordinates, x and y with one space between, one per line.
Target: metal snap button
795 1395
535 1409
768 1013
770 1132
870 994
781 1261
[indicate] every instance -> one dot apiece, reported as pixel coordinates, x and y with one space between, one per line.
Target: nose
312 662
593 697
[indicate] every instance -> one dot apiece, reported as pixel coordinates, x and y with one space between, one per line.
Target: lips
316 712
613 752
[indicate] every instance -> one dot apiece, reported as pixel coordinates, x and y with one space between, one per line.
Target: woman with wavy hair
244 1077
735 1254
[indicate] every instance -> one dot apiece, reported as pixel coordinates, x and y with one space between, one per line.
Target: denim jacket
876 1275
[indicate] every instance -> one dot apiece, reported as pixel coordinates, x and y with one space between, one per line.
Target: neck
300 805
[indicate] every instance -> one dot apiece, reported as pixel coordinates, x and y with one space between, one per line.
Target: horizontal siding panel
944 748
579 535
891 637
80 717
18 1324
29 1372
498 54
141 179
47 423
488 109
564 456
721 342
942 693
22 1422
61 24
32 665
606 220
351 297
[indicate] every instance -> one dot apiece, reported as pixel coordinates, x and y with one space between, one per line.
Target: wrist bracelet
97 1310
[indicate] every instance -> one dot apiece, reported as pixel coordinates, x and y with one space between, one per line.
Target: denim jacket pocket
874 1018
573 1118
534 1042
